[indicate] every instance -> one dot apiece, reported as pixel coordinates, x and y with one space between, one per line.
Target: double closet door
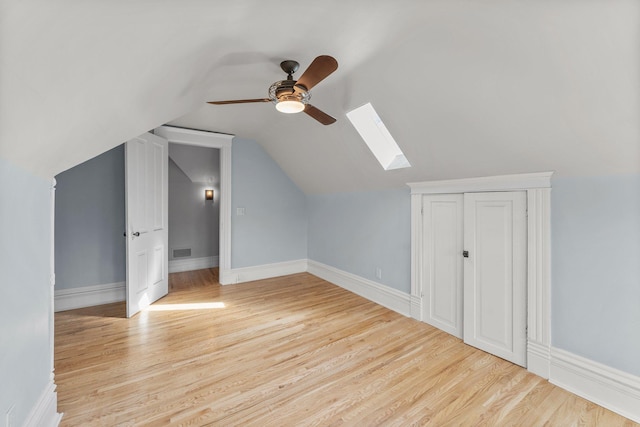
474 269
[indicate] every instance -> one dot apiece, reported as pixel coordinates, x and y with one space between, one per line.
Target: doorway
147 185
222 142
90 221
194 207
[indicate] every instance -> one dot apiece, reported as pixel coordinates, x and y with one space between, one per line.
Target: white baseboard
608 387
538 359
45 412
266 271
88 296
388 297
416 307
189 264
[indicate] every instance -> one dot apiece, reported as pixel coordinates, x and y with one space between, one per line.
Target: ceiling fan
292 96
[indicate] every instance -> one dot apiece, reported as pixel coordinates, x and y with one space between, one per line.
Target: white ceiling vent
377 137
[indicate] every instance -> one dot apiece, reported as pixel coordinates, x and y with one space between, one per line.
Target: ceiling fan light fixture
289 105
292 96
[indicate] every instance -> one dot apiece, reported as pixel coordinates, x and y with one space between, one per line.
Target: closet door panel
442 262
495 273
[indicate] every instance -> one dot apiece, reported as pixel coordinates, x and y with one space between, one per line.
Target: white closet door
442 261
495 236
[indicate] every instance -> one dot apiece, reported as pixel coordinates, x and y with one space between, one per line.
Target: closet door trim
538 187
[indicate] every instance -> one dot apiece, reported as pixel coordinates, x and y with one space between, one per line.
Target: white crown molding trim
601 384
522 181
265 271
45 412
190 264
88 296
393 299
195 137
223 142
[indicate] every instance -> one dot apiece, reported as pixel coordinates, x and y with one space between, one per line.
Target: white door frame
221 141
538 188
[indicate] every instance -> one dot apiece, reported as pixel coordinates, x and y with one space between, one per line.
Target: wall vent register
181 253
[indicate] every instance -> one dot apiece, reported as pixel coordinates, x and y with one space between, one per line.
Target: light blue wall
194 222
596 269
90 222
359 232
274 227
25 292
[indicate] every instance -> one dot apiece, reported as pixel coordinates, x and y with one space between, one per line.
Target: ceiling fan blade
319 69
319 115
239 101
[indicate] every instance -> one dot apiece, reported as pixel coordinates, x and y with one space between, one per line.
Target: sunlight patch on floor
188 306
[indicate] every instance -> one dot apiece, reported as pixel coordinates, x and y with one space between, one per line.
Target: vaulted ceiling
467 88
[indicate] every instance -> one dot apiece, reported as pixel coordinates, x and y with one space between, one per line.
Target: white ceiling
197 163
467 88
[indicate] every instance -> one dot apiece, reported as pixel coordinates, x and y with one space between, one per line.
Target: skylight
377 137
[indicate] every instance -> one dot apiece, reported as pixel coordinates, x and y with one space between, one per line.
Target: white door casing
222 142
442 262
146 166
495 273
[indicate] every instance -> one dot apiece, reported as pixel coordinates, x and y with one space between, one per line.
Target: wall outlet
378 273
239 211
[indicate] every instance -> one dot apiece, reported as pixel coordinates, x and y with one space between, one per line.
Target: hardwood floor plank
289 351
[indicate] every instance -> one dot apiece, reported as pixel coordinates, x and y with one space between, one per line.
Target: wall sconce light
208 194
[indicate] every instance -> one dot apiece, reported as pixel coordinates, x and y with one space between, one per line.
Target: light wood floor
291 351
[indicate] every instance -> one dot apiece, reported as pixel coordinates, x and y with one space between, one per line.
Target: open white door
495 273
146 165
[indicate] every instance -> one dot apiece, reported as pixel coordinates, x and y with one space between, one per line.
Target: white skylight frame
377 137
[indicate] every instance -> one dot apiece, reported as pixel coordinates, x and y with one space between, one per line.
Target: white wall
25 290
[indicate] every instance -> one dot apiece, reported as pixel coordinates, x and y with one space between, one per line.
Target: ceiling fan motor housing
289 66
284 90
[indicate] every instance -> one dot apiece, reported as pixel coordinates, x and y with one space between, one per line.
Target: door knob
137 233
465 254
